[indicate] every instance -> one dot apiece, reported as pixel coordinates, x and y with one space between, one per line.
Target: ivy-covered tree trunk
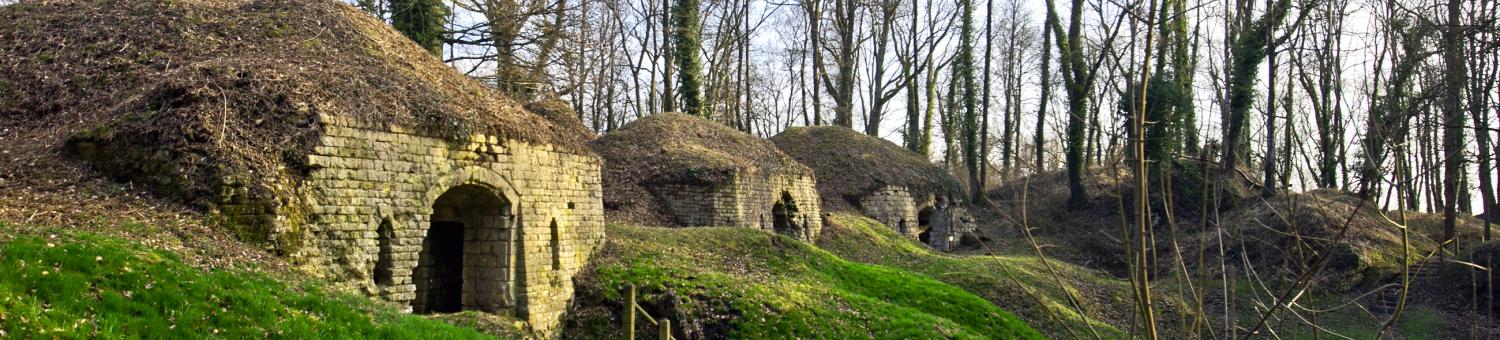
912 135
1247 51
422 21
1077 82
963 72
686 41
1175 38
1162 128
1039 140
1386 122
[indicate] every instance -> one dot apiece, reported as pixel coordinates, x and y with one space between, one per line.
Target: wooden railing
664 326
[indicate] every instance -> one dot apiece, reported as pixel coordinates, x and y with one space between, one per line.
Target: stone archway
784 214
924 223
465 259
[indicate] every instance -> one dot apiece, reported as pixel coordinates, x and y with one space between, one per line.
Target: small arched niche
556 245
384 261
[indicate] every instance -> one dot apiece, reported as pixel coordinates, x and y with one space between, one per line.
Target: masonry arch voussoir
478 176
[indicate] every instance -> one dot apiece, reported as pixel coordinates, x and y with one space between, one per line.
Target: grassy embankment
746 283
81 285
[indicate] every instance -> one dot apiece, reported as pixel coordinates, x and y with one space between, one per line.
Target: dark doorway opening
924 222
466 258
782 215
445 283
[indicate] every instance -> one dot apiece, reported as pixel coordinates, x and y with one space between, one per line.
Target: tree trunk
913 132
964 73
1479 93
814 20
842 88
1248 50
1077 82
1453 118
668 95
982 168
1269 188
1039 141
687 42
878 95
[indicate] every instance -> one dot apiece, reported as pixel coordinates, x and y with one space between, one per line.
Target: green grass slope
743 283
91 286
1021 284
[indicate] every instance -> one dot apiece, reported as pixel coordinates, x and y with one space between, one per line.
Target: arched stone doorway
465 262
924 223
784 215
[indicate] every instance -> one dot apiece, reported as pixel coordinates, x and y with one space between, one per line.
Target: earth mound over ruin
678 170
316 131
851 165
174 94
1362 244
897 187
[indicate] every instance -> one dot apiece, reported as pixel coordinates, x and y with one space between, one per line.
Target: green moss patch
743 283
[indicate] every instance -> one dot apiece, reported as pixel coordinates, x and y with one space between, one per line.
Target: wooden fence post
630 315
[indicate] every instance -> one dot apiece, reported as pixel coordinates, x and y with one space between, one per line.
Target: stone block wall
368 201
945 223
748 200
949 225
894 207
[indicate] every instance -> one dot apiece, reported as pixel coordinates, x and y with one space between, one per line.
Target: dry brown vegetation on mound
1289 233
97 206
850 164
1089 237
1275 235
176 94
675 148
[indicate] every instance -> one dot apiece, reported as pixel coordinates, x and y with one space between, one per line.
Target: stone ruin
336 143
490 224
895 186
782 204
934 221
672 169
